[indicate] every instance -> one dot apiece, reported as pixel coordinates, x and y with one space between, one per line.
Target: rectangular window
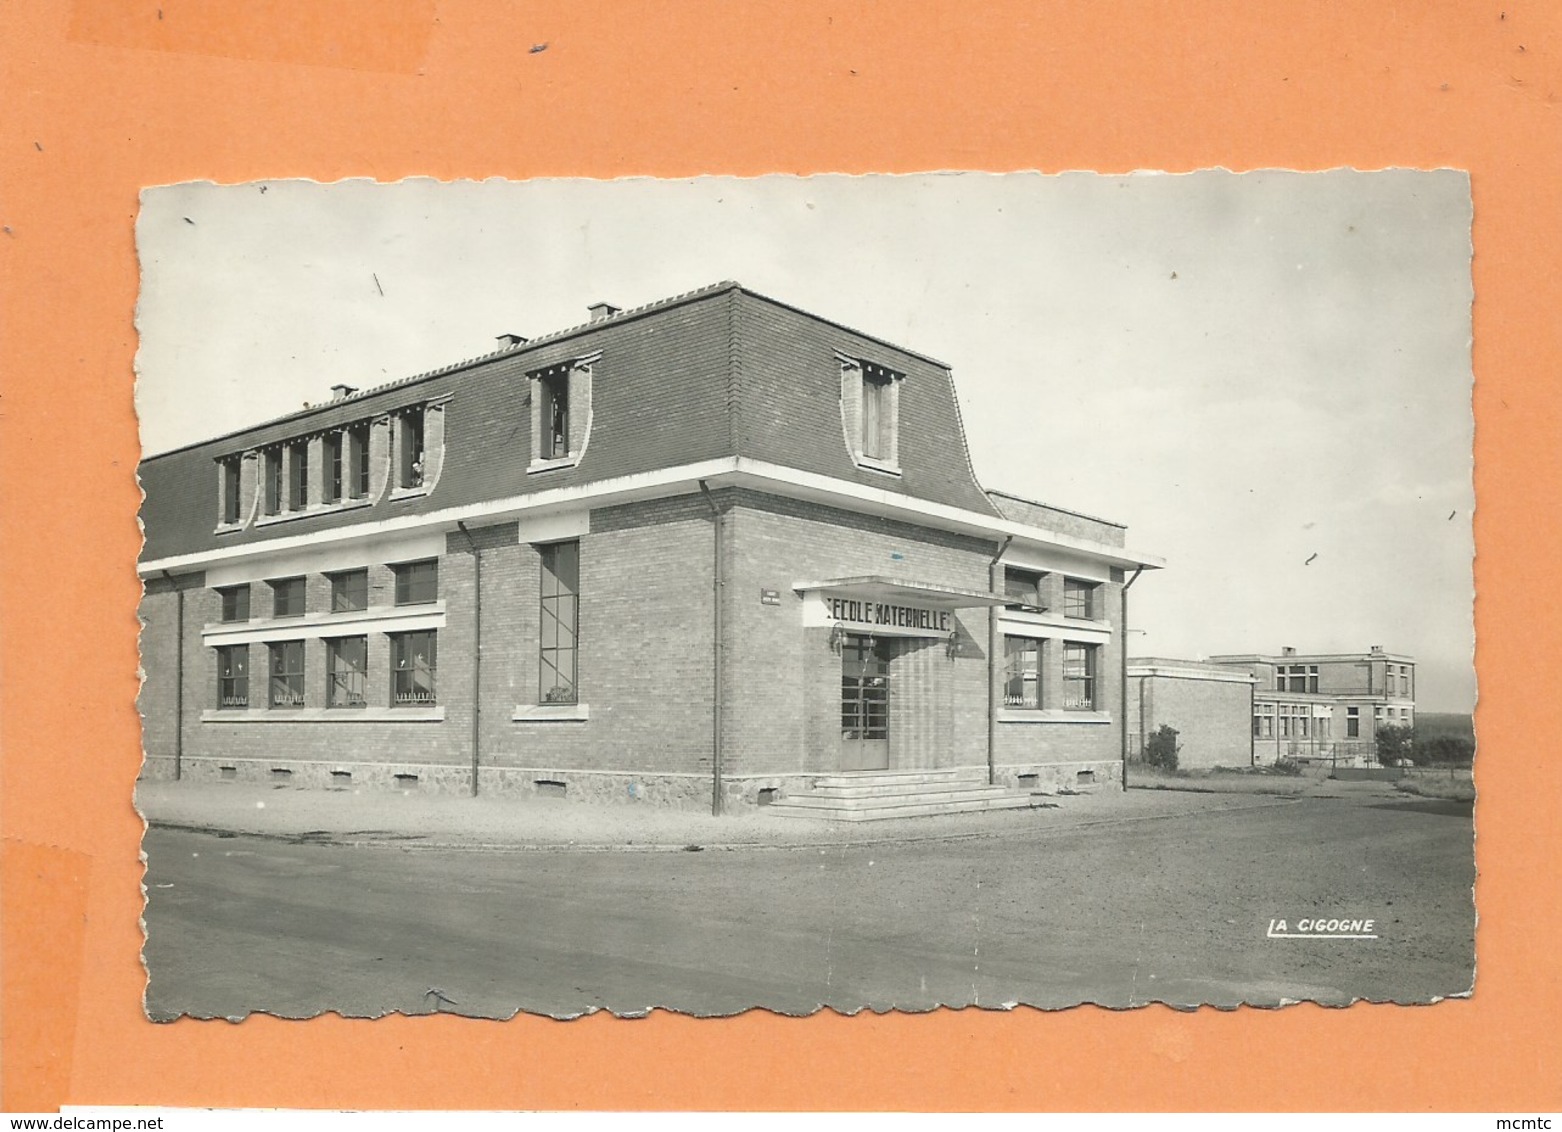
1079 676
230 488
358 458
553 407
298 476
1079 598
1353 723
349 591
233 676
235 603
287 597
413 666
347 672
331 459
273 480
1023 589
287 674
878 412
417 583
409 425
1021 672
559 623
1264 721
1296 678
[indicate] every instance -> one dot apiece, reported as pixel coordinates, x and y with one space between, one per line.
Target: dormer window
357 438
334 467
870 413
298 475
272 480
553 389
229 478
409 447
561 413
878 412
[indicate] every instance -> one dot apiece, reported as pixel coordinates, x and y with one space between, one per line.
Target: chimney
1376 650
508 340
599 311
1287 650
340 391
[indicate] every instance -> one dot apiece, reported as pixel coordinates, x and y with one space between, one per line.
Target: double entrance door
864 703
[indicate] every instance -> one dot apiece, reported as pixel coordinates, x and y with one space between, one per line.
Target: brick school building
698 553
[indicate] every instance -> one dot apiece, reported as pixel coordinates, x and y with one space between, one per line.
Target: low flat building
1208 705
695 553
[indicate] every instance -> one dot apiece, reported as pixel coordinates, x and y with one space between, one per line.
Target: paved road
1174 909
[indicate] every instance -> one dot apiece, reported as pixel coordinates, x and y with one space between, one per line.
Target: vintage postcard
866 593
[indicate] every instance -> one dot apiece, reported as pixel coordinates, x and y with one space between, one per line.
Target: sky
1265 375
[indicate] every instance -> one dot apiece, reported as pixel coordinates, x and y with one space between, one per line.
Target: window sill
1051 715
550 713
317 509
874 464
325 715
348 623
554 464
1028 623
227 528
398 493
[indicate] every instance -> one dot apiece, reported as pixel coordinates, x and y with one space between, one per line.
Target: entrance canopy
883 606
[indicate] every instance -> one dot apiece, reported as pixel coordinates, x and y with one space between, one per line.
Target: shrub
1161 748
1443 750
1394 743
1289 767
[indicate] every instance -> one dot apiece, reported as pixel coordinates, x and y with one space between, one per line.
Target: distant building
1252 709
1326 705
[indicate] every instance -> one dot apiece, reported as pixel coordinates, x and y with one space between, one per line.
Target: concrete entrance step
855 778
906 807
870 795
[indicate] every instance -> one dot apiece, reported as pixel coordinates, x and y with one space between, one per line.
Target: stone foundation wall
1104 775
687 792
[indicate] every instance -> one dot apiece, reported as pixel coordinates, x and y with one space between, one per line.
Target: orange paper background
103 97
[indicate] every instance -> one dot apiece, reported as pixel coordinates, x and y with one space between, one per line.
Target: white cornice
727 471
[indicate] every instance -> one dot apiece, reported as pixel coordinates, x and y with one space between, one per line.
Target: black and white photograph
860 593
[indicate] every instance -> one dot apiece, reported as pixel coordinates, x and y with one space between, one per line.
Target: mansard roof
718 372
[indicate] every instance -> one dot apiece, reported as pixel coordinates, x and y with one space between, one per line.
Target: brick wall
785 684
645 664
645 672
1213 718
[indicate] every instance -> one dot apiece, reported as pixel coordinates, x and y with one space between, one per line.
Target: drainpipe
1122 668
178 680
477 647
718 583
992 664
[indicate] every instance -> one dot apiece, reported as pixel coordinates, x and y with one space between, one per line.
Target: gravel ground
438 821
1157 896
